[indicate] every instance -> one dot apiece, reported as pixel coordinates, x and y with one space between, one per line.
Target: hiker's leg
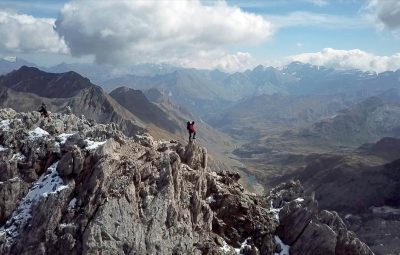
194 135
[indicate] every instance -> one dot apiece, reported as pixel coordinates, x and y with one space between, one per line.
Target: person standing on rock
43 111
191 130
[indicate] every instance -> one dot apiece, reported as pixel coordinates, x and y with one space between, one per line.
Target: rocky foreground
71 186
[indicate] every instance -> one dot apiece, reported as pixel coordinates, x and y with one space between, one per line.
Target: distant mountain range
9 64
367 121
207 93
26 88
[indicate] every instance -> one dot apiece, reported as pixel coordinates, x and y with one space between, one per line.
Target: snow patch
385 210
11 59
285 248
5 125
299 199
210 199
226 248
348 216
3 148
72 204
275 211
243 246
17 157
92 145
64 136
37 133
48 184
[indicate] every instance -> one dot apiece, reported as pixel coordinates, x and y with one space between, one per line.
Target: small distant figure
43 111
191 130
68 110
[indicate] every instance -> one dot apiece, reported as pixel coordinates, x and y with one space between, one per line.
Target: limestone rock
71 186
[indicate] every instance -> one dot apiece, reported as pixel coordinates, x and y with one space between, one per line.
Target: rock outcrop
70 186
307 230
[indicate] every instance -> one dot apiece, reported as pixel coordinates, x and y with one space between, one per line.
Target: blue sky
271 32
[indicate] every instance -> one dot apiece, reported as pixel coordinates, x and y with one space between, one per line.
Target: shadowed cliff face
70 186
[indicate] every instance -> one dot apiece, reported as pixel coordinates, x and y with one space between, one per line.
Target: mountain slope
27 87
96 191
367 121
271 114
137 103
52 85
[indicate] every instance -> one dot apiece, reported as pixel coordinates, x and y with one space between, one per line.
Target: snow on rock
48 184
17 157
92 145
72 204
64 136
385 210
299 199
5 125
275 211
3 148
284 248
210 199
243 246
226 248
37 133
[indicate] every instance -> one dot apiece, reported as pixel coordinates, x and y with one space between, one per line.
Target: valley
270 125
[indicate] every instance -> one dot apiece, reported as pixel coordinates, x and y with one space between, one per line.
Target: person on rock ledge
191 130
43 111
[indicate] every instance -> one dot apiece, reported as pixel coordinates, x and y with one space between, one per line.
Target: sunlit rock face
70 186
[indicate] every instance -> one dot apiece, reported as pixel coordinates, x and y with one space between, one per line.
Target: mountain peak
53 85
160 193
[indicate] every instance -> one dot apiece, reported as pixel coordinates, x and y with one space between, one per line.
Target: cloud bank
159 31
349 59
25 33
385 12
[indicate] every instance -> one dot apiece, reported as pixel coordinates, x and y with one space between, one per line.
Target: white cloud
311 19
349 59
386 13
221 60
159 31
25 33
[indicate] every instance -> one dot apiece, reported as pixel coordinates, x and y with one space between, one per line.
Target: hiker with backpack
191 130
43 111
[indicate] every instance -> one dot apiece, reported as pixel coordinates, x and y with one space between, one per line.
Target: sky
231 35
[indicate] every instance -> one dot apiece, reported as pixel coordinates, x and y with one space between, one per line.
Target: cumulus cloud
221 60
159 31
26 34
349 59
385 12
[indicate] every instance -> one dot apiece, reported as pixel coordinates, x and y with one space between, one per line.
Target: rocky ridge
71 186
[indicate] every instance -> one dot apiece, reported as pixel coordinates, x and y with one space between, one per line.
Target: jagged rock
11 191
317 239
294 218
308 231
85 188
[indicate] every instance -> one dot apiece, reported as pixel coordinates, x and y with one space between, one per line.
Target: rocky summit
71 186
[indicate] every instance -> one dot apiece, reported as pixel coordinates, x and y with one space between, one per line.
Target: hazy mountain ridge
9 64
263 115
367 121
